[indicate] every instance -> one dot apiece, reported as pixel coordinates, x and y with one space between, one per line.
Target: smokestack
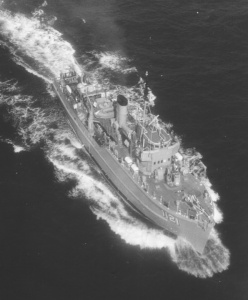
122 110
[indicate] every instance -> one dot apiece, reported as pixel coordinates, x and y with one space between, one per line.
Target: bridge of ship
156 136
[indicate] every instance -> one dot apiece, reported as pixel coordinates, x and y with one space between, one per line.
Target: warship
140 155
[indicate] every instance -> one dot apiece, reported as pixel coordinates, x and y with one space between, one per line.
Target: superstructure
141 156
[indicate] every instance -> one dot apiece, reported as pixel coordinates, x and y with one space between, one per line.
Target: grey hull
132 191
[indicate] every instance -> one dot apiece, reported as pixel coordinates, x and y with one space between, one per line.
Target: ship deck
123 180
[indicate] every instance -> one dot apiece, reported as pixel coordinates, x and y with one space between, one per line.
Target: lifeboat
105 113
105 109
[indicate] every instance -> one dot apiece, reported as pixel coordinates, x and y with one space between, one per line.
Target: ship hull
131 190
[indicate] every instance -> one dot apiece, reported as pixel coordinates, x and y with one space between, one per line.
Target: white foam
44 4
39 42
63 152
133 231
38 13
17 148
51 53
28 68
108 207
215 259
115 61
137 233
218 216
208 186
75 142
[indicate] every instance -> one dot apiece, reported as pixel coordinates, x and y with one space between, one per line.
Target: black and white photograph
123 150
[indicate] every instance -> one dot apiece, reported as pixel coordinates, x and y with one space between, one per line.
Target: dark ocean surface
64 233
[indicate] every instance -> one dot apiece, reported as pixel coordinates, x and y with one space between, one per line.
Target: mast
145 102
146 87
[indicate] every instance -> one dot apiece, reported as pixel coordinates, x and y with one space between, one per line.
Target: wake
48 55
41 49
